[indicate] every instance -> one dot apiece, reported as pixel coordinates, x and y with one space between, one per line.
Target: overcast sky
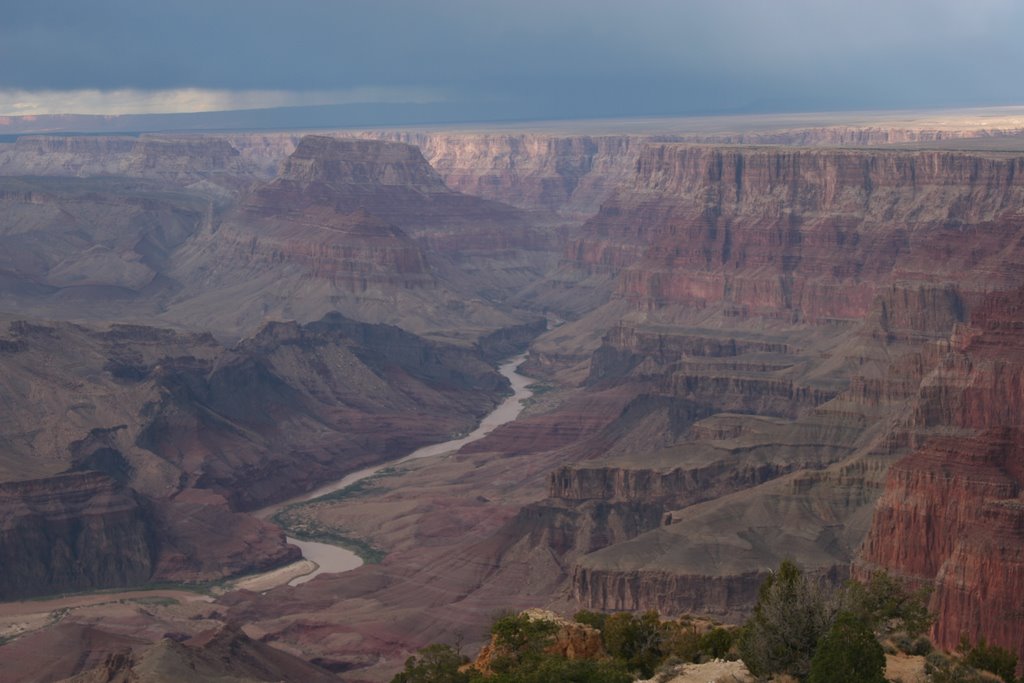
524 58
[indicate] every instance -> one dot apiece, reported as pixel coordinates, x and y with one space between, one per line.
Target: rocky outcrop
296 405
952 513
571 640
510 340
84 531
198 538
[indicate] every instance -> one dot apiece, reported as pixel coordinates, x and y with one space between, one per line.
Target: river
332 559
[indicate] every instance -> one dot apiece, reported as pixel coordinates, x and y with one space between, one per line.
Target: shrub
638 641
848 653
716 642
886 605
992 658
791 615
920 647
943 669
681 641
588 618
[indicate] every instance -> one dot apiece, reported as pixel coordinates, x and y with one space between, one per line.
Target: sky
508 59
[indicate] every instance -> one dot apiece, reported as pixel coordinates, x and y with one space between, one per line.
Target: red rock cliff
952 514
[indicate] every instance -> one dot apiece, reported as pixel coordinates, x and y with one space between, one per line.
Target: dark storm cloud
570 58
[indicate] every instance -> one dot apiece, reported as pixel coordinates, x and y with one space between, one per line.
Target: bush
943 669
638 641
991 658
436 664
682 642
886 605
551 668
593 619
920 647
792 613
848 653
716 642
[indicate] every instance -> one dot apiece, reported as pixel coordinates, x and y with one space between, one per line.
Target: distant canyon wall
804 234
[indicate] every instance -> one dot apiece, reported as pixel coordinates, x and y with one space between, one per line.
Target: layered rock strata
805 234
364 227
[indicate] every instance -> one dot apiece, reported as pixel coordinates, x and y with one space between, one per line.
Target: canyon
748 345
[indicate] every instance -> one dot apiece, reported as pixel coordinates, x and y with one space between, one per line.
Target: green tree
848 653
638 641
888 607
593 619
792 613
436 663
520 641
716 642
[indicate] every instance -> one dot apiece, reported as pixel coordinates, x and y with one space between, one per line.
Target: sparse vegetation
308 528
801 629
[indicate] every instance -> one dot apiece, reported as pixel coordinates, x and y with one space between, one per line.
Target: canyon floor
748 340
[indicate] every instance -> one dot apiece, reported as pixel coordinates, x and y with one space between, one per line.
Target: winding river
332 559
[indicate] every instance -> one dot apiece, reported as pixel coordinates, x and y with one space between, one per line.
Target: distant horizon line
385 115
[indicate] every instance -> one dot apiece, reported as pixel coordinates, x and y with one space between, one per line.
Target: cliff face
566 174
70 533
802 233
952 514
